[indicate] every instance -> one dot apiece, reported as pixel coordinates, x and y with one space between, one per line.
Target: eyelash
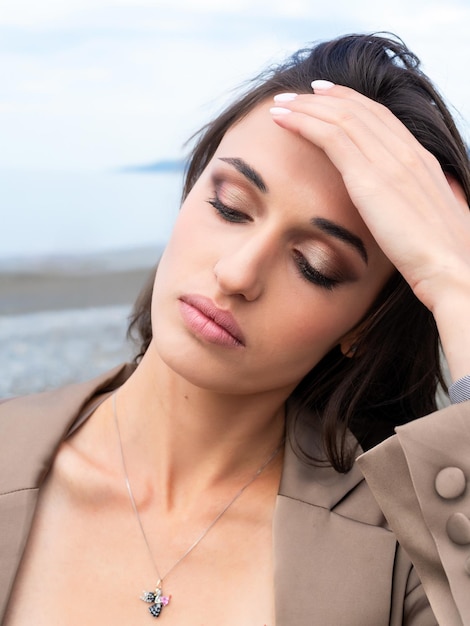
306 271
227 213
312 275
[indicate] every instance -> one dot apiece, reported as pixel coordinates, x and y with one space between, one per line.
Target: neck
184 440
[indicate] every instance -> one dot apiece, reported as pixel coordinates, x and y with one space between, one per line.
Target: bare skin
87 563
419 218
199 418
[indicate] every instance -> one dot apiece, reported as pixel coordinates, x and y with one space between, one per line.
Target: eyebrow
327 226
343 234
247 171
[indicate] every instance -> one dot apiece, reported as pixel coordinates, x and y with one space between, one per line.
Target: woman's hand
419 218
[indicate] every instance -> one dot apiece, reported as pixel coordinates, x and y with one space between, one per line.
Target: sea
68 222
48 214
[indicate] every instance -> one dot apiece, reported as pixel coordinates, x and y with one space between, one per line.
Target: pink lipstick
205 319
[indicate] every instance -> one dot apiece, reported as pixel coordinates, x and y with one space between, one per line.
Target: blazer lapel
327 529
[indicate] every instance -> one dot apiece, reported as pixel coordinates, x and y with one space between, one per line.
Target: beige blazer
336 560
420 478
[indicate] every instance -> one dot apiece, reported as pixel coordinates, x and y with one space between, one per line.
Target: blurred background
97 98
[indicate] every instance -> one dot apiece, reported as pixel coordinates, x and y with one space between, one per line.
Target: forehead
258 132
302 182
293 168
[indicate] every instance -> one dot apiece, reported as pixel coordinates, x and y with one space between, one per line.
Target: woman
320 247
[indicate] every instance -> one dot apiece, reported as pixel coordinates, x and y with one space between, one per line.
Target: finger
380 110
336 143
391 144
397 155
362 156
409 150
416 195
362 127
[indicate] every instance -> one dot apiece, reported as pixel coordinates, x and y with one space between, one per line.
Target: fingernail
319 85
285 97
279 111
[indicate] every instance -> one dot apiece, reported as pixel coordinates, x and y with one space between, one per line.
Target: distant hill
159 167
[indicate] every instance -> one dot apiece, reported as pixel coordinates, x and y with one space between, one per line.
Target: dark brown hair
394 373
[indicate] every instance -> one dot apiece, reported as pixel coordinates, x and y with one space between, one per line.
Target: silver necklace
156 599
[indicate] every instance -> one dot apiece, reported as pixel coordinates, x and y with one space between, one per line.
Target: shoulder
420 479
32 428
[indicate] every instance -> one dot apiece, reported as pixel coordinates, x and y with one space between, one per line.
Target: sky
100 84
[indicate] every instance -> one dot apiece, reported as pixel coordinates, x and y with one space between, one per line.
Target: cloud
103 83
57 12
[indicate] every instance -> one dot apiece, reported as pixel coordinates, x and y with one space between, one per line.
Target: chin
191 364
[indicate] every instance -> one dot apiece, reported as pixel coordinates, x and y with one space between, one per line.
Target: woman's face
268 234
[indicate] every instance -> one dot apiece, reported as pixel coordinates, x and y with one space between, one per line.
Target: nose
242 270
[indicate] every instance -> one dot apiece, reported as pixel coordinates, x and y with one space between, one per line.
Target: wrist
444 288
452 314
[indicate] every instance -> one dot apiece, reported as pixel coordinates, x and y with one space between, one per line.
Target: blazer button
458 529
450 483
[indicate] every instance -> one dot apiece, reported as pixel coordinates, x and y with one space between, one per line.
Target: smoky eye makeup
323 265
230 191
226 212
229 201
316 260
231 195
313 274
236 174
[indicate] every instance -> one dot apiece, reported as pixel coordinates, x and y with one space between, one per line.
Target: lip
215 325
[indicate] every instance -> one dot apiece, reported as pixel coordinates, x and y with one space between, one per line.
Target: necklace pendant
156 600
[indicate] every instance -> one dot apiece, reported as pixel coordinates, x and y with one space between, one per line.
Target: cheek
193 228
315 333
183 232
180 248
185 256
318 323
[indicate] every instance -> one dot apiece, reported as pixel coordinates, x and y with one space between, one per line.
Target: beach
33 292
64 322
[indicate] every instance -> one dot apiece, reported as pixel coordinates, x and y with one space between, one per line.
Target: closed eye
313 275
228 213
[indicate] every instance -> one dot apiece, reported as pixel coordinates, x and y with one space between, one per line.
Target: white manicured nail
285 97
279 111
319 85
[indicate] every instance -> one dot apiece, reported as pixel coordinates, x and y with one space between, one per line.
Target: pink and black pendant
156 601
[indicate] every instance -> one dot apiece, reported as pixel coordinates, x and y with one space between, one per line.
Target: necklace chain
156 599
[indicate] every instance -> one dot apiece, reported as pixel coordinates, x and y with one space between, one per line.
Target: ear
348 344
